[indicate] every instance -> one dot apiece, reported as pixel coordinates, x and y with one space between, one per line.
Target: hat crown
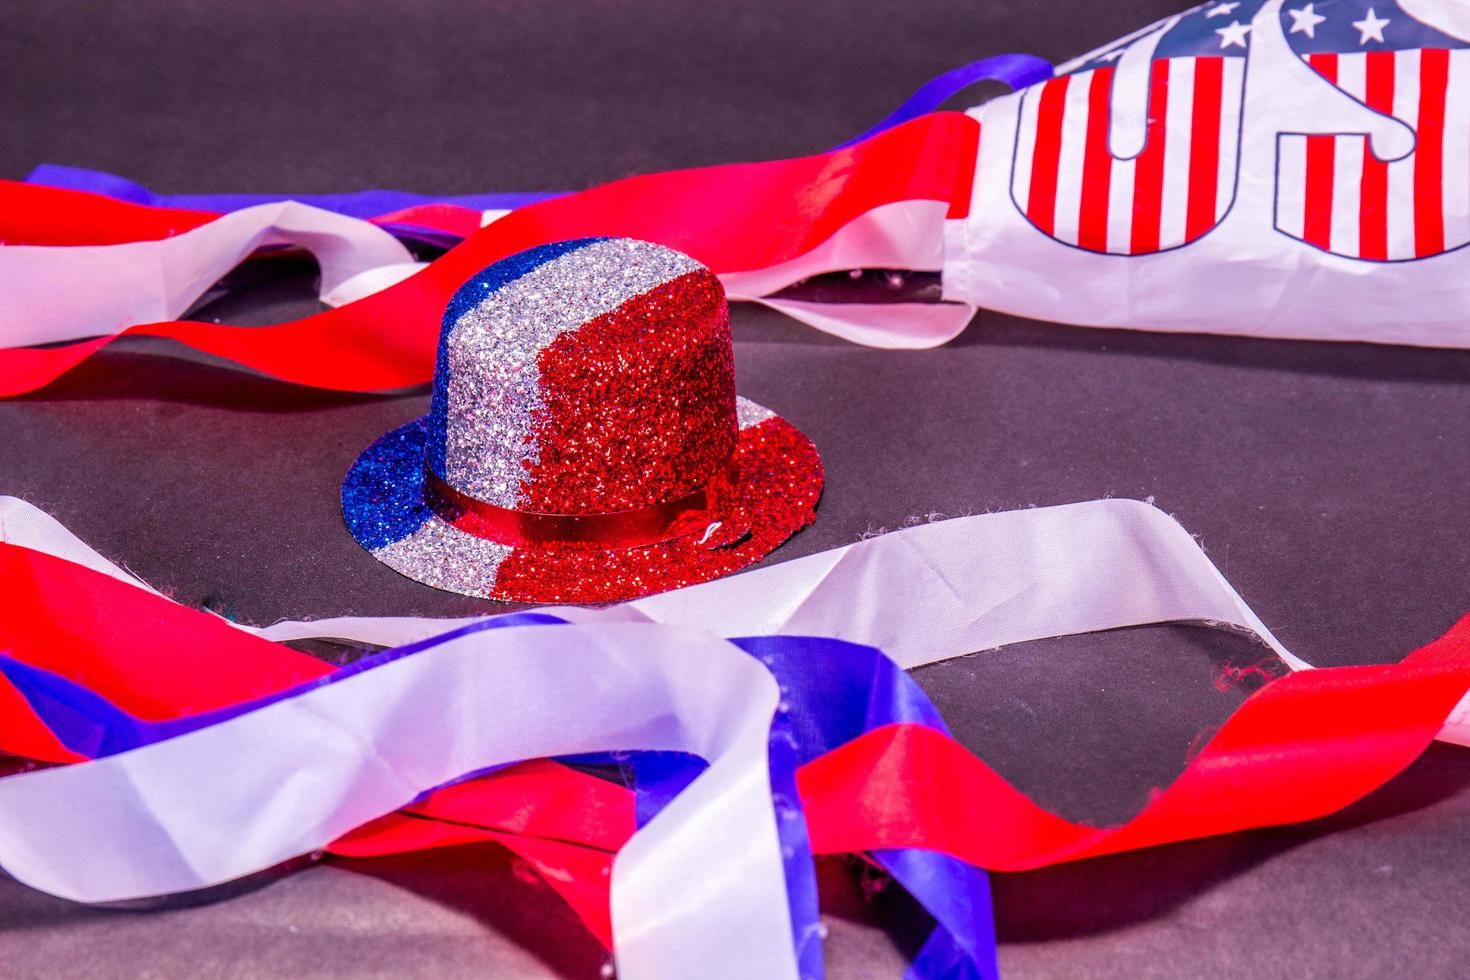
584 377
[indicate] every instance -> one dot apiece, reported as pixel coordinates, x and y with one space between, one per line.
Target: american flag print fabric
1332 191
1278 168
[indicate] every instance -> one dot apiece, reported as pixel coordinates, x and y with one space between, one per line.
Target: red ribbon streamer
1301 747
732 218
34 214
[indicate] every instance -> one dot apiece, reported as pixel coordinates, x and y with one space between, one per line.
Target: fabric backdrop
1326 481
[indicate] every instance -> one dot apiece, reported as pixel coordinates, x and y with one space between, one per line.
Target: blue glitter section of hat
383 494
484 283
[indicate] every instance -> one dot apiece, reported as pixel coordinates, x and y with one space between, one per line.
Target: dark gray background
1327 481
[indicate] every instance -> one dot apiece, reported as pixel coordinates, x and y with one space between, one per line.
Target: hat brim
779 484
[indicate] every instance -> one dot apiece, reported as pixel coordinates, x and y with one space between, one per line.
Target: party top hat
584 441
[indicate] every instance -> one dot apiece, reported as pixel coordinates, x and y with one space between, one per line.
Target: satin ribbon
388 339
1333 735
857 691
86 200
151 673
1302 747
954 586
694 511
904 235
831 692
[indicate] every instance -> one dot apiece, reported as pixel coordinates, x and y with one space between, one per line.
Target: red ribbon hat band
584 442
696 510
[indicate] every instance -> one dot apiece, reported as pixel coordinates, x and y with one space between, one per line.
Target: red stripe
1148 172
1321 157
1046 154
1373 201
1434 76
1097 166
1204 147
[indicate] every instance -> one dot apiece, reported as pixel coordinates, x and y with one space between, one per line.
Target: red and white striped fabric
1061 222
1071 186
1333 193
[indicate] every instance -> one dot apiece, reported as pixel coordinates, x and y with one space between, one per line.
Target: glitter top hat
584 441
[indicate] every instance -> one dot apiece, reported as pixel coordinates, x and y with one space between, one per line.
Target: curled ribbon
867 204
388 339
1300 747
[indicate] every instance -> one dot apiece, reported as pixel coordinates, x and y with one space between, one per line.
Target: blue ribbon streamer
1016 70
355 204
832 691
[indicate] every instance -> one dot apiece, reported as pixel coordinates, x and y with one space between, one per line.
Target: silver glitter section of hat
446 558
494 390
748 413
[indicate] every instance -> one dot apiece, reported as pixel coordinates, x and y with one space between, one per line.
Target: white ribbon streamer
146 282
922 594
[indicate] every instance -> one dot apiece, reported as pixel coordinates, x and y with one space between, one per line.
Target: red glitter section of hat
780 484
639 403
